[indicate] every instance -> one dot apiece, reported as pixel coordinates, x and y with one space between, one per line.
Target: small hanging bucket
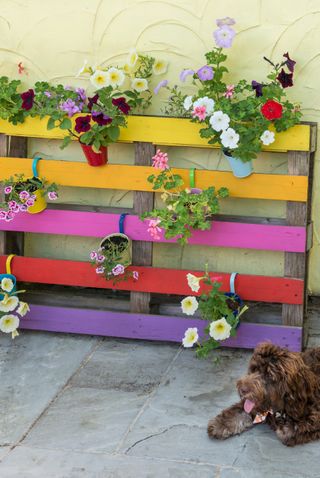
8 275
233 295
239 168
40 203
118 245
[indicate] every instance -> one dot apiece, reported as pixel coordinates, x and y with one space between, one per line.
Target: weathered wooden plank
150 327
153 280
279 187
161 131
142 250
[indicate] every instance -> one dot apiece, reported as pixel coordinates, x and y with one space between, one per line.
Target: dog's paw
286 434
217 429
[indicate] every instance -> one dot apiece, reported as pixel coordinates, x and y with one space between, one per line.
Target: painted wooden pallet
290 237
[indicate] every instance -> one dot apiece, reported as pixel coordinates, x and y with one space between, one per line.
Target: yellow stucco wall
52 38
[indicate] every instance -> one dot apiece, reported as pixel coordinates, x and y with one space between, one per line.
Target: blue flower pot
237 299
14 280
238 167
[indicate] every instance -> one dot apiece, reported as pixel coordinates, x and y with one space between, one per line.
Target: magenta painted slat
222 234
149 327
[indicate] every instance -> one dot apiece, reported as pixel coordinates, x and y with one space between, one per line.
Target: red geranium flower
27 99
121 104
82 124
271 110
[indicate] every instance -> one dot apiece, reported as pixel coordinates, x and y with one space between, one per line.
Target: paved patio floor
80 406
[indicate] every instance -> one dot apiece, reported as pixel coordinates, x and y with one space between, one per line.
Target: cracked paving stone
39 463
33 368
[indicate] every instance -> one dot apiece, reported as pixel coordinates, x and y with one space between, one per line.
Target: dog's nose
243 390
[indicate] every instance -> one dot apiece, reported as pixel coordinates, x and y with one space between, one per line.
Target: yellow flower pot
40 203
119 248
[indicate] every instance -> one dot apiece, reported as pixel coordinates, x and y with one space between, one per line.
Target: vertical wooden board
141 250
17 147
3 152
298 214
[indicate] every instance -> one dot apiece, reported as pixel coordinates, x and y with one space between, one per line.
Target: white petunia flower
115 77
7 284
9 303
139 84
189 305
219 121
190 337
84 69
187 103
267 137
207 102
160 67
100 79
229 138
220 329
23 309
132 58
193 282
9 323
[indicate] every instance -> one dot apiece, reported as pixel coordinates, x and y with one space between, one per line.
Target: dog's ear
267 360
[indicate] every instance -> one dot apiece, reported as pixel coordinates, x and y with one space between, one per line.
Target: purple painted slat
222 234
150 327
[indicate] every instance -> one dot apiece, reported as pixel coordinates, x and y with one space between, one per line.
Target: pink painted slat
221 234
150 327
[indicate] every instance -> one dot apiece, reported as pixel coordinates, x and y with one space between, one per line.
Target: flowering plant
185 209
112 258
240 117
21 193
10 307
221 311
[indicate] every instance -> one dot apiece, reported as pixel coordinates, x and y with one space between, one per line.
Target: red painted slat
151 279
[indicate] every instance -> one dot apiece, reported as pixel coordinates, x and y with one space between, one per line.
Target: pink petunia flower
230 91
154 229
100 270
93 255
9 216
135 275
160 160
3 215
24 195
29 202
52 195
7 189
200 112
12 205
118 270
100 258
23 207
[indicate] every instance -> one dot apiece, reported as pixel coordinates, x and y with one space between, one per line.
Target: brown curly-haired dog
281 388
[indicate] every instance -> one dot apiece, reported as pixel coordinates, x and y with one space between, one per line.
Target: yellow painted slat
162 131
134 178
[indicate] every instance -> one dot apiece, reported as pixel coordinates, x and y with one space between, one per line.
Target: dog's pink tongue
248 406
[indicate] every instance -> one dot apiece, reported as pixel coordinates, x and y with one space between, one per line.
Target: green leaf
66 141
51 123
113 133
66 124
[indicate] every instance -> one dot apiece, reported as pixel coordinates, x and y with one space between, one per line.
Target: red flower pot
93 158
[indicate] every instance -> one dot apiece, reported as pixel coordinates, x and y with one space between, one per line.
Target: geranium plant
21 194
185 209
241 117
221 311
11 307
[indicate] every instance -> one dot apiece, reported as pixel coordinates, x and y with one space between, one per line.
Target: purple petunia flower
257 87
93 255
118 270
205 73
101 118
7 189
225 21
69 107
23 207
161 84
290 63
100 270
82 93
82 124
185 73
121 104
224 36
285 79
27 99
135 275
29 202
68 88
52 195
24 195
9 216
48 94
100 259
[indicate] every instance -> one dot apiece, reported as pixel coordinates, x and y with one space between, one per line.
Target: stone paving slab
26 462
33 368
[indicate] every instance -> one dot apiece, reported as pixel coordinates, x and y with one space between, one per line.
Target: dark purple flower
121 104
101 118
92 101
82 124
290 63
205 73
27 99
285 78
257 87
